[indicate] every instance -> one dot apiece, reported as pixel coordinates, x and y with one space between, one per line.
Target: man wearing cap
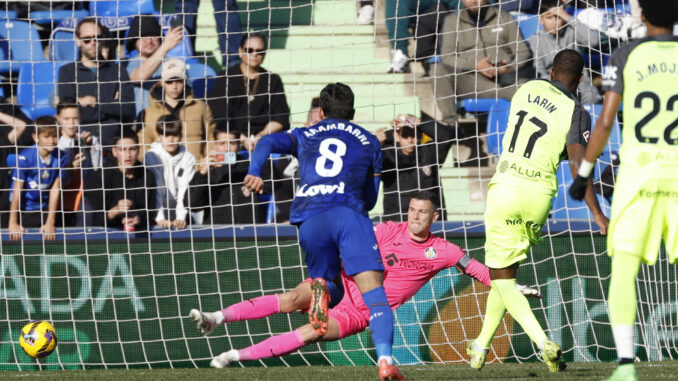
100 86
172 96
410 162
145 36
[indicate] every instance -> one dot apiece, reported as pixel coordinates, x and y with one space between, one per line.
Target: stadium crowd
131 145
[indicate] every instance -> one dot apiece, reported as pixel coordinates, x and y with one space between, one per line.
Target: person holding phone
145 36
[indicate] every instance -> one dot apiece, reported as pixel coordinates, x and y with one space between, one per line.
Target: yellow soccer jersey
645 73
544 119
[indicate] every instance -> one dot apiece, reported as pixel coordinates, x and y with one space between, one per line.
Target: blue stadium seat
8 15
62 46
528 24
201 78
121 7
56 16
22 45
35 87
565 207
497 121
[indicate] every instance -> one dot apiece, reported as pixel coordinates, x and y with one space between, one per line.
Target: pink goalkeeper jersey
410 264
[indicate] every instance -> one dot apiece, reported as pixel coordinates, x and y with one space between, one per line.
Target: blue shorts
335 236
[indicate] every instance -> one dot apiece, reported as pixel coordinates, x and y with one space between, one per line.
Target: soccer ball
38 338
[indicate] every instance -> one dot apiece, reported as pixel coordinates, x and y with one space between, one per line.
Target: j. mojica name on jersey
656 68
543 102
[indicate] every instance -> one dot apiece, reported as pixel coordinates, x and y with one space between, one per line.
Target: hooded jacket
196 118
173 174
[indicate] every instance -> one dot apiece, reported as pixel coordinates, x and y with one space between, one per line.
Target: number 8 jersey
645 73
337 162
544 119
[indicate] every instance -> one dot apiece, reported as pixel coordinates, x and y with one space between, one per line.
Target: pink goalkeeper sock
273 346
256 308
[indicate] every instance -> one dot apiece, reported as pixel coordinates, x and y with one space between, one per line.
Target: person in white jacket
173 168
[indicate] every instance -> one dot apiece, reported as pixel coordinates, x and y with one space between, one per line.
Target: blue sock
381 321
336 293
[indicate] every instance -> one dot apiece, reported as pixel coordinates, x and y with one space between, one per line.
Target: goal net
119 293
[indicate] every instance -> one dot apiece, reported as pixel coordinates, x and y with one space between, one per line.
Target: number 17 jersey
544 119
337 163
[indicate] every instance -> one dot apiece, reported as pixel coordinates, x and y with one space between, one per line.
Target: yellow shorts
643 212
514 217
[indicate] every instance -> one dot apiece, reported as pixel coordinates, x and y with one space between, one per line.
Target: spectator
36 183
562 31
314 113
409 165
366 12
144 69
88 145
250 98
173 167
400 16
101 87
483 56
218 183
228 25
173 97
123 191
13 139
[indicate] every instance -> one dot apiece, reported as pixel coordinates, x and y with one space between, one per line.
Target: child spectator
173 97
562 31
88 145
123 191
36 183
173 167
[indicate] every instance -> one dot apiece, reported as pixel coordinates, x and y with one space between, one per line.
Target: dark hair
45 125
65 103
249 36
168 125
548 4
568 62
126 131
86 20
315 102
426 196
336 101
222 128
660 13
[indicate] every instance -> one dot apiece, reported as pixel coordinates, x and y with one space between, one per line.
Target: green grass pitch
647 371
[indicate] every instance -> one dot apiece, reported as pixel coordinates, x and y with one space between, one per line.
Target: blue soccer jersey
38 176
337 164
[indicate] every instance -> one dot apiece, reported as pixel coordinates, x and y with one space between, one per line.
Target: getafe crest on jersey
430 253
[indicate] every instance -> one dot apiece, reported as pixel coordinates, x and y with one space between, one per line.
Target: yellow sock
519 308
494 313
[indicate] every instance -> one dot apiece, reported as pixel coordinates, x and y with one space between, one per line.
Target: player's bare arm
576 153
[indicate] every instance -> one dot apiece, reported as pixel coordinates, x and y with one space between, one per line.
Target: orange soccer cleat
320 301
389 372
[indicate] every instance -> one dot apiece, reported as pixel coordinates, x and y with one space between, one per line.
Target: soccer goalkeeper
546 123
411 255
642 74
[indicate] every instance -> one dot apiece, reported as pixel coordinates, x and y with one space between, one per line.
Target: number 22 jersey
337 164
544 119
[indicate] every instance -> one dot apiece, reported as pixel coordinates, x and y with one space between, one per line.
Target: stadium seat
121 7
21 45
56 16
565 207
10 15
35 87
528 24
497 121
201 78
62 46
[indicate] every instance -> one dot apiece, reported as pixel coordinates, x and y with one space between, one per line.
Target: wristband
585 168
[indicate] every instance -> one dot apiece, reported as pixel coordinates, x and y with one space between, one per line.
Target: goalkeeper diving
642 75
546 124
411 256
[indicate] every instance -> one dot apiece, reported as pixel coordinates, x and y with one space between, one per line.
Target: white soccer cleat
207 322
366 15
530 292
400 62
225 359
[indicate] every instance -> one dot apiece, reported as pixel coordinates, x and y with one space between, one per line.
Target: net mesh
119 296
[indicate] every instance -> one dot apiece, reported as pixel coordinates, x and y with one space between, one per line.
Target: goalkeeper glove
578 187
